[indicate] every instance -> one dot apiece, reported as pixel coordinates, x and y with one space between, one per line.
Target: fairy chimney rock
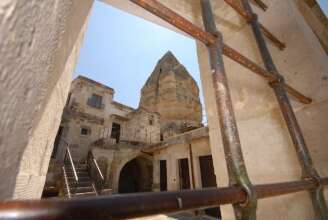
172 92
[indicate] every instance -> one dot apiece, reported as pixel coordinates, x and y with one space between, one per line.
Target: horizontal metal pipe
186 26
141 204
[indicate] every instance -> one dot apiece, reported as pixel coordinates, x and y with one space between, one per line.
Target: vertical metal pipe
192 167
308 170
231 143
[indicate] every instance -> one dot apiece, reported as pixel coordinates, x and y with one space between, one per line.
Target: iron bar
273 38
308 170
232 148
233 4
141 204
186 26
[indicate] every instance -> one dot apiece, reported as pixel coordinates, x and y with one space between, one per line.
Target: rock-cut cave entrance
136 176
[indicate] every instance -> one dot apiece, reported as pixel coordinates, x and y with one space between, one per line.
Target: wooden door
208 180
184 173
163 175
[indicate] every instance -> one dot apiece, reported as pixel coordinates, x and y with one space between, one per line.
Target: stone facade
143 126
88 116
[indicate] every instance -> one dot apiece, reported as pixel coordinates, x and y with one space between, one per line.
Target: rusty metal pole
140 204
232 148
308 170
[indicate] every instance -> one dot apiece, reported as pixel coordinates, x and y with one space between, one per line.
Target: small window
95 101
85 131
161 137
151 121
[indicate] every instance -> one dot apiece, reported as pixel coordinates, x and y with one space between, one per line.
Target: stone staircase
84 187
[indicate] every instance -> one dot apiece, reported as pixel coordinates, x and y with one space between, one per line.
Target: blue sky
120 50
324 6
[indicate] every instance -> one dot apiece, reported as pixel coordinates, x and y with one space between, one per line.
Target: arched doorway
136 176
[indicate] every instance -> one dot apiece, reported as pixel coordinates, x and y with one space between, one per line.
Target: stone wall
83 89
143 126
39 44
80 114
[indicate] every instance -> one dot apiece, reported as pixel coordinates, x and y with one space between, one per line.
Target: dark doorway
57 142
184 173
116 132
208 180
136 176
163 175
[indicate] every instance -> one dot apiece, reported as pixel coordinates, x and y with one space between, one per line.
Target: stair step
81 189
79 174
87 194
71 179
81 184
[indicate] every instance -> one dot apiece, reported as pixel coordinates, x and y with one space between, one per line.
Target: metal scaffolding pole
141 204
232 148
308 170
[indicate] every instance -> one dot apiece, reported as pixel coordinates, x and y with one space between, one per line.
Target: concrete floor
177 216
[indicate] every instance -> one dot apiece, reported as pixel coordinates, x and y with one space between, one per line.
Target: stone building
168 133
138 148
89 115
39 45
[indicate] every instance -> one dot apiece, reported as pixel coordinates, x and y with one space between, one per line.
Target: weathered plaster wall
36 49
174 152
83 89
316 19
143 126
264 137
79 114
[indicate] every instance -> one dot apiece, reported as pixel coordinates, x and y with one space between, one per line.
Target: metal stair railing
95 174
68 161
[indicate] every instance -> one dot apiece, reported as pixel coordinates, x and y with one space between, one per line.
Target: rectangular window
163 175
85 131
184 173
95 101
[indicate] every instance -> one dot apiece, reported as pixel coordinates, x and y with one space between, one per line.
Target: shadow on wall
136 176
